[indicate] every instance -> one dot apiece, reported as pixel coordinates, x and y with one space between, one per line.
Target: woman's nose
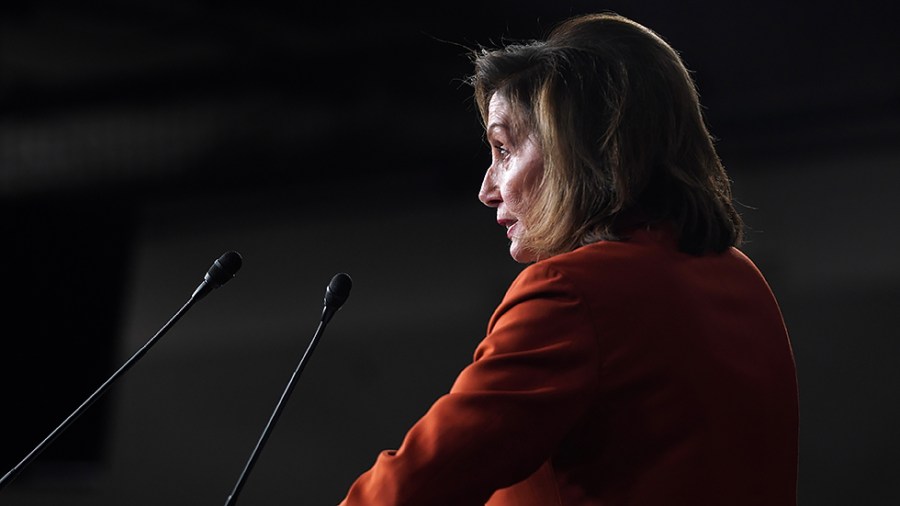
489 194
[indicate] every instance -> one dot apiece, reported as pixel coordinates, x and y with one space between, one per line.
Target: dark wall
63 264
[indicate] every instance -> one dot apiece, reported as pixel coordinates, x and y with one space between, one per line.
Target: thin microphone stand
218 274
232 499
9 476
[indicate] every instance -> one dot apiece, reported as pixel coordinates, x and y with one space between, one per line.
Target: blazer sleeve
506 412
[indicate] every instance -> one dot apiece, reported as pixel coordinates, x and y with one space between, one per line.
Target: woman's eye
501 151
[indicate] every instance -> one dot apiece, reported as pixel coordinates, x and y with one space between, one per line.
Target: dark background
140 140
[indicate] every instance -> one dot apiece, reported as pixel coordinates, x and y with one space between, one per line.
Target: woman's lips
510 225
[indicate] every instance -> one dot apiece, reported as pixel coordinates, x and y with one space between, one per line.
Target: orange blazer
622 373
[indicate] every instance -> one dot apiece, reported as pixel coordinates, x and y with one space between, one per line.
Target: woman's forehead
503 116
498 109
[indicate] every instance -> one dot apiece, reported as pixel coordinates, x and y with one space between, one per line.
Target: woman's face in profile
516 168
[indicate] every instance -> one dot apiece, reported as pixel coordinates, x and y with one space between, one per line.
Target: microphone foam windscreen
225 267
338 290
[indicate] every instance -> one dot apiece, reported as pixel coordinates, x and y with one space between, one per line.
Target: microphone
222 270
336 294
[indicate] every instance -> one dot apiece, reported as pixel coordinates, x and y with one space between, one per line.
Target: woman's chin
519 254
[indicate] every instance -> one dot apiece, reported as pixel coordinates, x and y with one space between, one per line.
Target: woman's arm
532 378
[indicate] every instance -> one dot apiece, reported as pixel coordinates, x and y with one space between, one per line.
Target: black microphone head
224 268
338 290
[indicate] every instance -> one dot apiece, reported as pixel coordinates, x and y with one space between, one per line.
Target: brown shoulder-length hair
624 140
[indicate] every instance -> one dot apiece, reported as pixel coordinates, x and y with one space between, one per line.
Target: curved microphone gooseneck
222 270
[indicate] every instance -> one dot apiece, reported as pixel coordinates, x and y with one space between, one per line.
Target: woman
640 358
